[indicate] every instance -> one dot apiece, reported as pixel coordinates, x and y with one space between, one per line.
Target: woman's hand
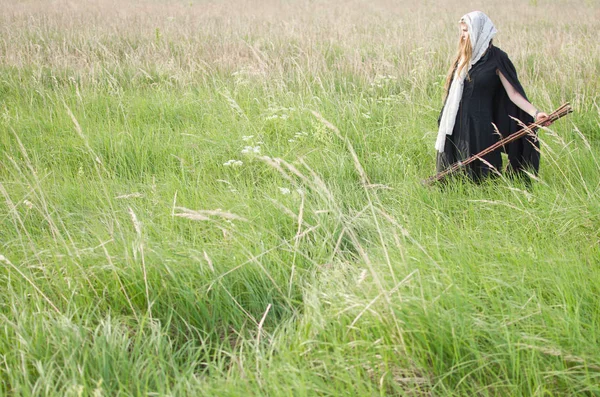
541 116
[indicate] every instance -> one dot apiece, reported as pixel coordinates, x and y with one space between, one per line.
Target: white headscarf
481 32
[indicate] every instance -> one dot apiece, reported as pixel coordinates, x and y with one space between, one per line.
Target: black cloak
485 101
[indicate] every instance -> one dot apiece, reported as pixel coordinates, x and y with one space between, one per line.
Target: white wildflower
28 204
298 136
284 190
246 138
251 149
233 163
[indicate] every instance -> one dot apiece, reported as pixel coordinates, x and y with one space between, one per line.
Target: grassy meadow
224 198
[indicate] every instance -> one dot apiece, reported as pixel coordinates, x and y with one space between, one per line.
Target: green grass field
225 198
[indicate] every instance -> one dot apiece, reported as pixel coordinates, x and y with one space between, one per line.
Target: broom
552 117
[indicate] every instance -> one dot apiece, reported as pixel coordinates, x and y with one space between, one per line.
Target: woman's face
464 31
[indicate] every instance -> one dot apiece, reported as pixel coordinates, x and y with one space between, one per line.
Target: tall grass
202 198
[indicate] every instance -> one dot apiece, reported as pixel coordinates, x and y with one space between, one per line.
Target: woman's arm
521 102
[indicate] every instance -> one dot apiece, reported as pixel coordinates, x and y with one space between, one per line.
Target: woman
482 91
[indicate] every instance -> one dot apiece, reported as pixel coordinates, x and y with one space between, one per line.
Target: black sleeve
524 152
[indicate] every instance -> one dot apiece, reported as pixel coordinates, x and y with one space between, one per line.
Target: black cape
485 101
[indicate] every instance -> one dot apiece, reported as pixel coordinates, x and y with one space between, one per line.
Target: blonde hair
463 57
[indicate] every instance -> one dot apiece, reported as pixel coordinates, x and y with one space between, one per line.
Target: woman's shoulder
501 58
498 53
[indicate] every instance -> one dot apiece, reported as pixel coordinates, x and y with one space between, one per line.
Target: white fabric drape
481 32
